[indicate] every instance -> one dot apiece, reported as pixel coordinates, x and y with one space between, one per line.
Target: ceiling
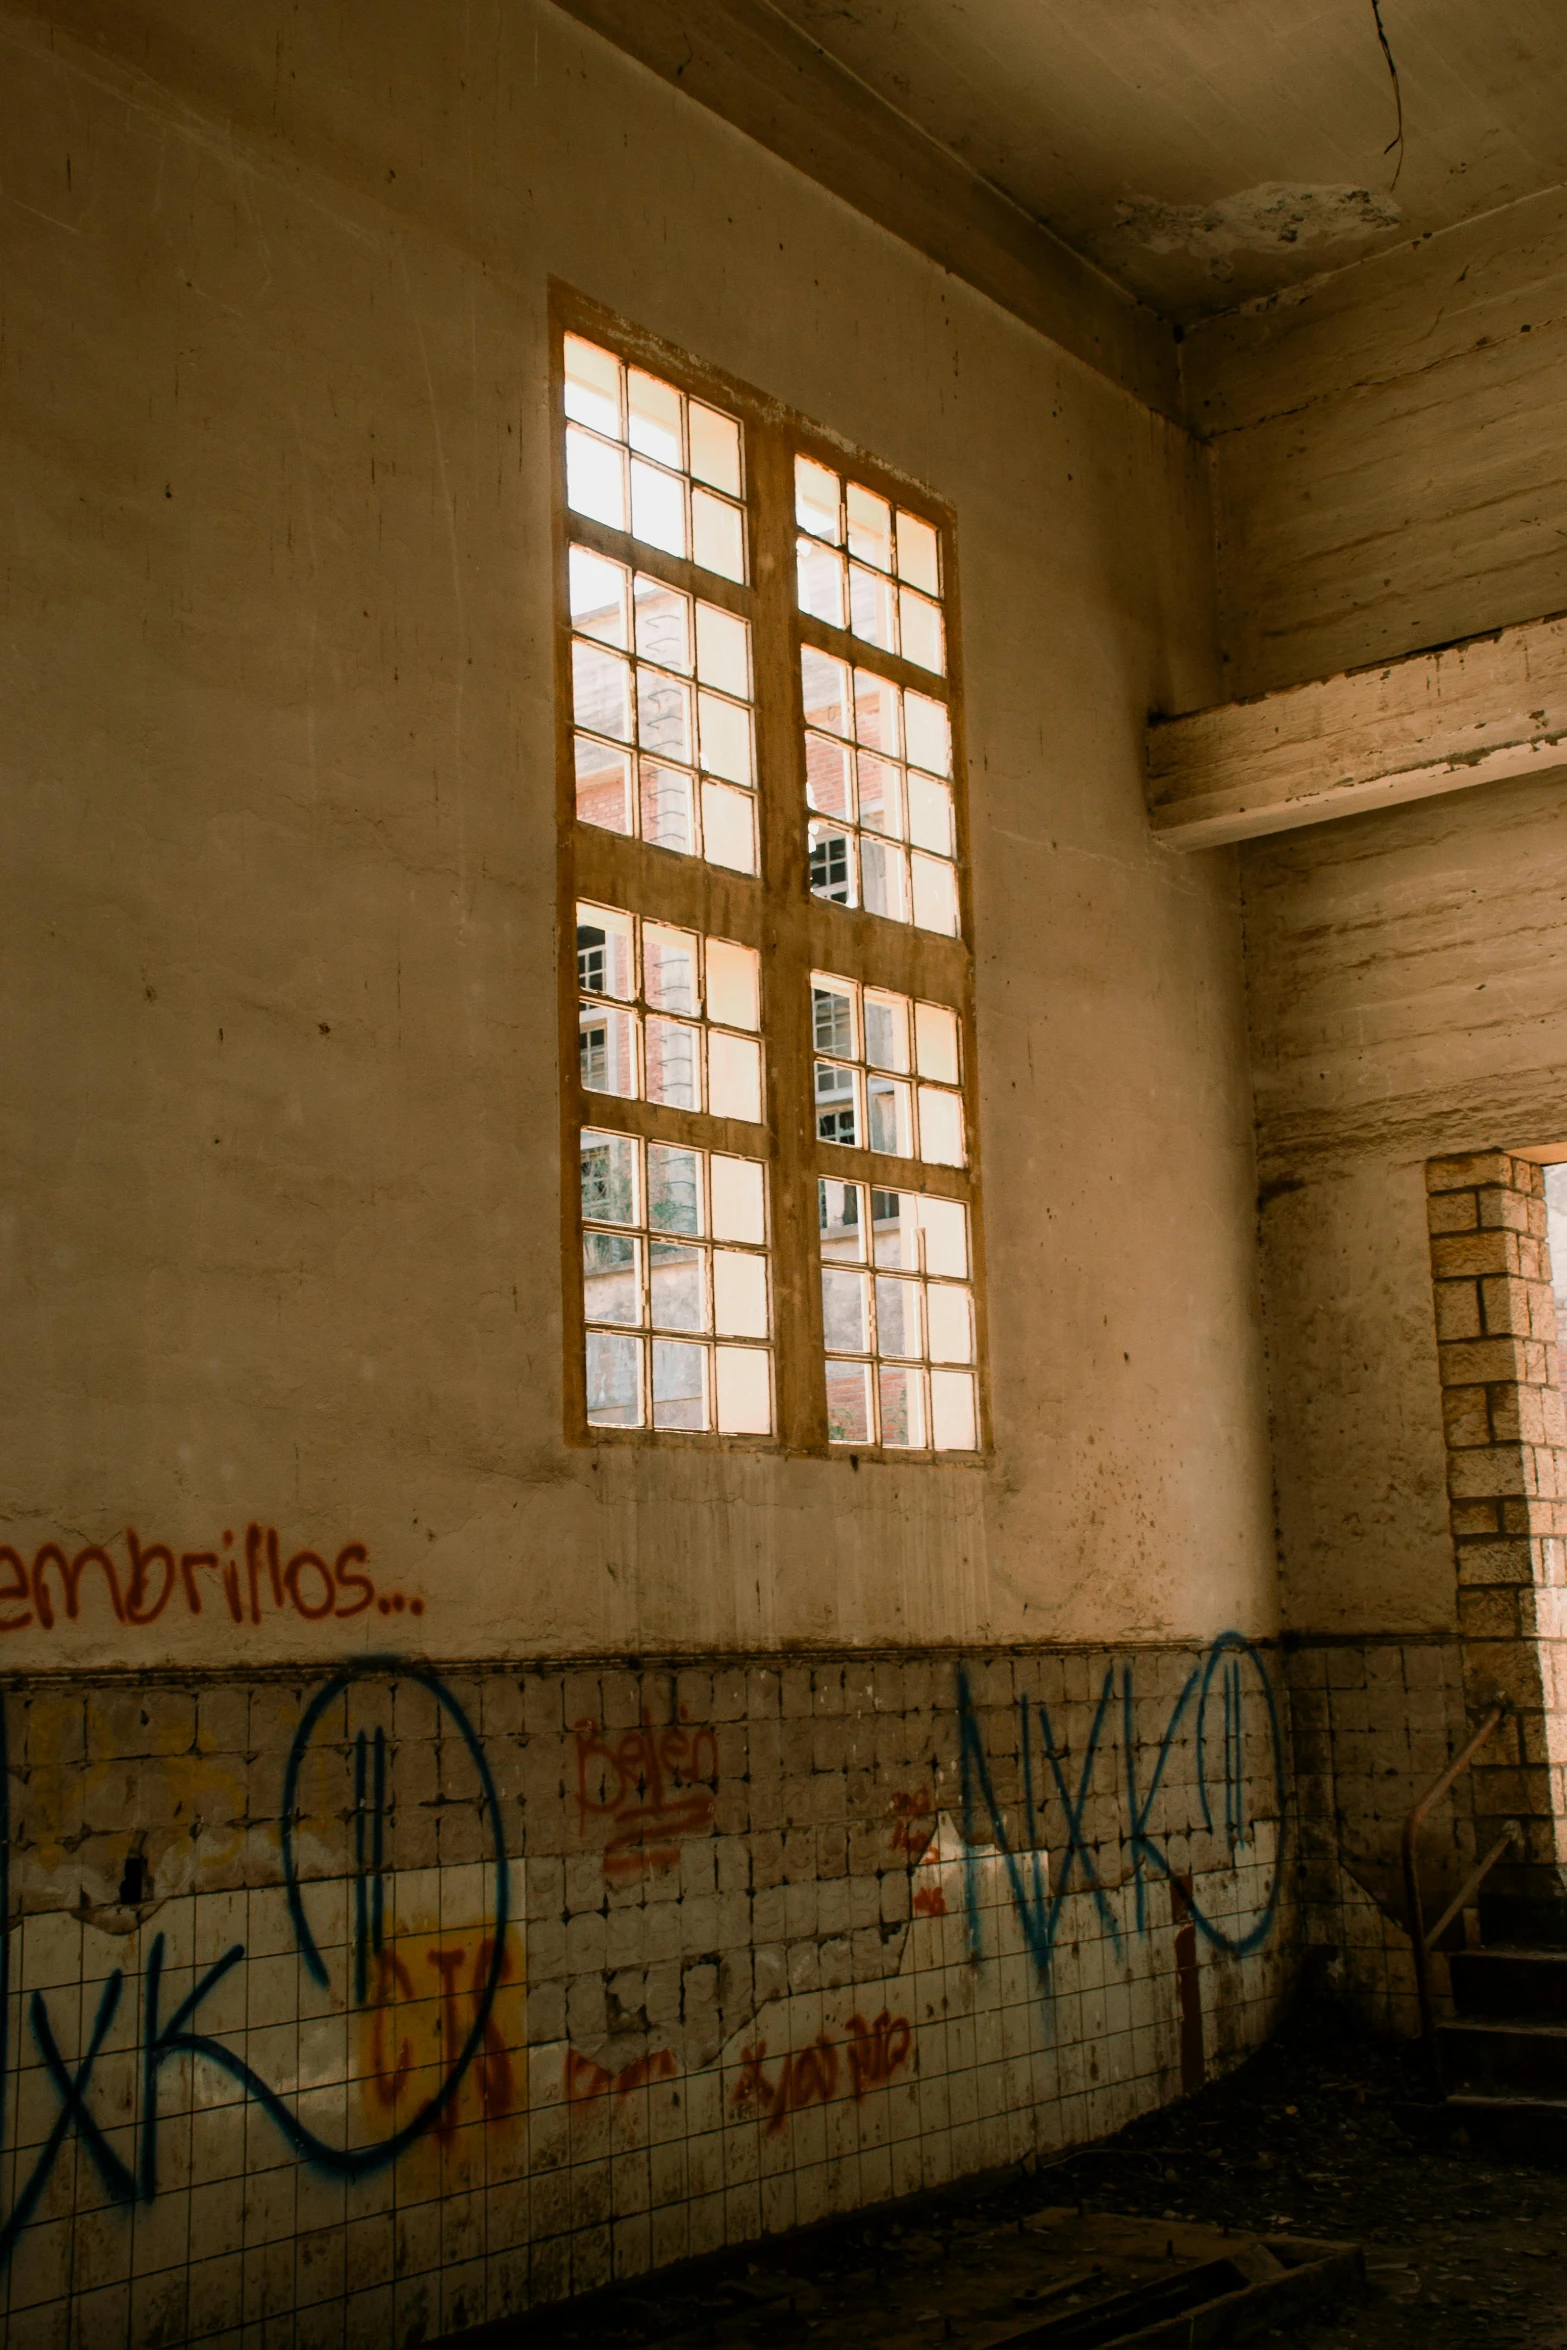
1205 152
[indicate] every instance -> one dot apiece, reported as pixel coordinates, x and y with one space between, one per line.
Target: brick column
1507 1487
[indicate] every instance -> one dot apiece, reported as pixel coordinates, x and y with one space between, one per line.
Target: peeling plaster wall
280 1026
1389 467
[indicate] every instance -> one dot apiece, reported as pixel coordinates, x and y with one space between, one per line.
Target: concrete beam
1470 713
746 62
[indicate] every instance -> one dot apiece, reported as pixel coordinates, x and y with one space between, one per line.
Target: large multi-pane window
773 1227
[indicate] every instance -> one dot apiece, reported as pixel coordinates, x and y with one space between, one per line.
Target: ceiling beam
1444 721
746 62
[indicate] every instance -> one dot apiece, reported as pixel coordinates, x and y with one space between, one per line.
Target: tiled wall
360 2010
1373 1724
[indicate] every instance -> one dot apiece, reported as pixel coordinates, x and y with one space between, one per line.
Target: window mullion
802 1415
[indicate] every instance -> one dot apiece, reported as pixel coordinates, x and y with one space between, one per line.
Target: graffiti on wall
1227 1687
872 2054
427 1997
242 1578
643 1791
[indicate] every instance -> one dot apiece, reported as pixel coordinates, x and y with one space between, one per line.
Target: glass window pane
936 1042
902 1396
595 479
603 785
726 738
723 651
728 827
717 535
653 414
593 386
841 1215
881 794
739 1211
930 814
606 962
598 597
884 880
941 1128
950 1314
614 1381
668 808
935 895
870 526
664 715
820 574
845 1310
669 977
895 1229
663 624
734 984
886 1030
889 1114
877 722
837 1103
872 608
832 1018
919 559
734 1076
831 864
674 1188
739 1294
607 1050
816 500
611 1277
715 450
677 1285
953 1418
898 1317
601 690
929 732
920 632
745 1390
679 1385
674 1063
945 1223
824 687
609 1178
658 507
849 1403
827 771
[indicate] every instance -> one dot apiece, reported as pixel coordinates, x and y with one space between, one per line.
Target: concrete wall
283 1268
1388 463
281 1040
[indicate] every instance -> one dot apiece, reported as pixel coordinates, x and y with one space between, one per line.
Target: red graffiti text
653 1786
809 2076
584 2079
242 1581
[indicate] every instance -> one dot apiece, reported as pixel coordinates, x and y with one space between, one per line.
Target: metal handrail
1423 1940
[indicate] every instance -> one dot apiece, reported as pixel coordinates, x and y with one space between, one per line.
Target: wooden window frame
773 911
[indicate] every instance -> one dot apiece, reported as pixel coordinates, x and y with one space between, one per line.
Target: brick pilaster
1507 1486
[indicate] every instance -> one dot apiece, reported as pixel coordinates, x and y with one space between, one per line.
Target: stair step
1516 1985
1504 2056
1517 2124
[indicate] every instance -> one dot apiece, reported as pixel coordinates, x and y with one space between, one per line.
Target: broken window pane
827 772
603 785
890 1116
601 690
816 500
606 952
821 582
841 1215
824 685
607 1044
669 974
674 1063
849 1419
884 880
887 1030
832 1018
901 1397
837 1103
831 864
674 1189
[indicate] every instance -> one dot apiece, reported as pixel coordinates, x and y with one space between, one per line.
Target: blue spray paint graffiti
1231 1664
163 2039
